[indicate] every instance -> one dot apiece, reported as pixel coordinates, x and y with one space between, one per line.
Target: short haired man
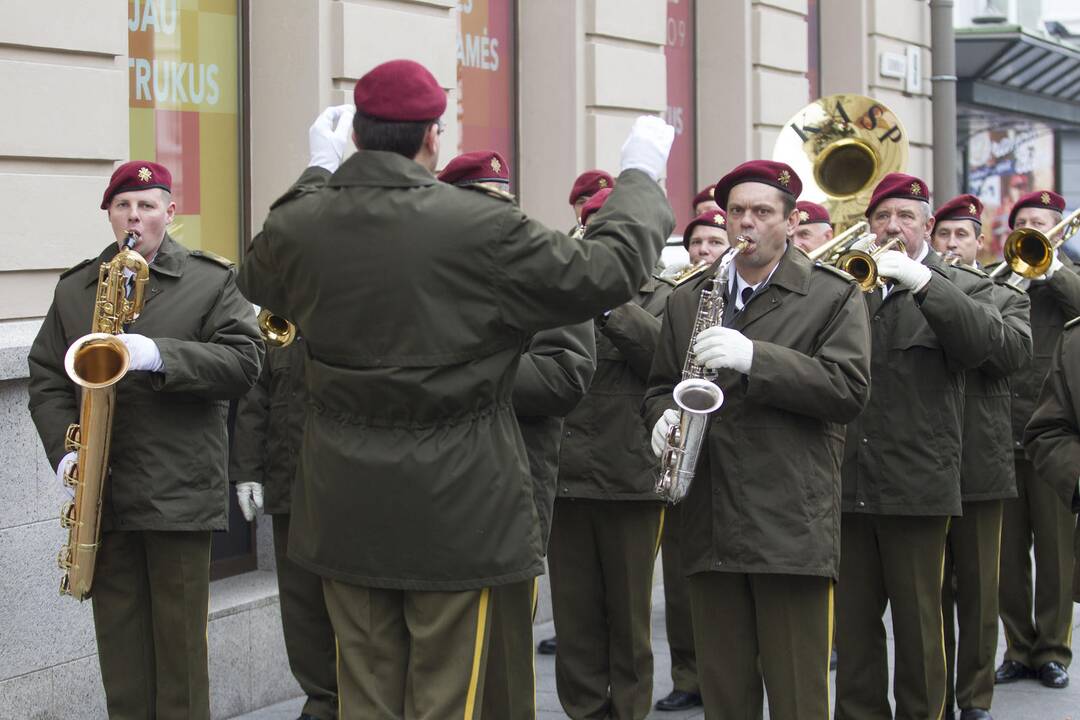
705 201
987 478
705 237
901 464
815 228
416 299
761 523
553 376
193 348
1037 625
606 522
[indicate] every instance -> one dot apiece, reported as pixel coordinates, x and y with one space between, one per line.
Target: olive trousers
1036 516
896 561
600 559
752 630
151 600
680 628
419 655
510 683
970 590
305 623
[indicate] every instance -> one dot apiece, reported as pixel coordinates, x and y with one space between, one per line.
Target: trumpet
1030 252
276 330
862 264
830 252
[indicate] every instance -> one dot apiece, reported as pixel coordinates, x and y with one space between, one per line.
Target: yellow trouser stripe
478 651
828 655
659 531
535 602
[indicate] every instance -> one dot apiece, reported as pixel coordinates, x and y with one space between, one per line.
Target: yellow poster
183 95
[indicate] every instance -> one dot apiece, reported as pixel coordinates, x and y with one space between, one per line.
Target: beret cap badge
804 216
1045 198
602 182
784 178
972 209
496 166
145 175
916 189
719 219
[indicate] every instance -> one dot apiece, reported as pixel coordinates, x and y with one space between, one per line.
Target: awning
1005 68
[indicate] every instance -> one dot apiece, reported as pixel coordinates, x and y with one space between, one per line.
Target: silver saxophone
697 395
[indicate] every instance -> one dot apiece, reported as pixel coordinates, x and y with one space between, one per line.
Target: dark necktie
746 294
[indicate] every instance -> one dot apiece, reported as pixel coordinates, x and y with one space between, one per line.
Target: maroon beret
1045 199
400 91
594 203
811 213
711 218
898 185
136 175
476 167
706 195
589 183
961 207
768 172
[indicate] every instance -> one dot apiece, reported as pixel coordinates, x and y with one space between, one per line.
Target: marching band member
552 378
1052 438
815 228
262 465
415 297
605 527
901 464
705 237
705 201
585 186
761 523
194 347
987 477
1037 630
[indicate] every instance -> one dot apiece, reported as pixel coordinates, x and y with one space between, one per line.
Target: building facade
223 91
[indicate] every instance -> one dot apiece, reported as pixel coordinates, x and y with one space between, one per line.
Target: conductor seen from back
417 299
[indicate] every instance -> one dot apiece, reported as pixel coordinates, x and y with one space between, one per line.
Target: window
681 109
184 98
487 75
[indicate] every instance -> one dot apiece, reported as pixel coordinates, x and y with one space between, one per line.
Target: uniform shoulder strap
213 257
76 268
835 271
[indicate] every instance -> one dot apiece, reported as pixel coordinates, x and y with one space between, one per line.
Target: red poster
681 109
487 105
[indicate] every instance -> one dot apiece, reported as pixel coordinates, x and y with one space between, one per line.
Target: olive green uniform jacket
416 299
605 452
1053 302
269 424
169 455
552 378
987 470
903 452
766 491
1052 438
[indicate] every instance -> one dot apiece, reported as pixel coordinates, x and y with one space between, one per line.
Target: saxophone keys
67 515
63 560
65 585
73 437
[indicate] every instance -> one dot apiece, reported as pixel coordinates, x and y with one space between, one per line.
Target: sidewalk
1026 700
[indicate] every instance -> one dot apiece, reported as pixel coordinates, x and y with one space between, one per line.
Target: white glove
66 462
660 430
648 146
250 497
865 243
902 270
144 352
328 136
721 347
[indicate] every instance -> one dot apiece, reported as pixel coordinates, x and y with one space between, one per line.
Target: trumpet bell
276 330
1028 252
861 266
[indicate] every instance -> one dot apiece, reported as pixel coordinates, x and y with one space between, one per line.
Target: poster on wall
1003 165
183 61
681 109
487 100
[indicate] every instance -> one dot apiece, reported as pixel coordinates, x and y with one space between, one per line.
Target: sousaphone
841 146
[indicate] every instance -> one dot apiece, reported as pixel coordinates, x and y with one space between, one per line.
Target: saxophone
697 395
96 363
